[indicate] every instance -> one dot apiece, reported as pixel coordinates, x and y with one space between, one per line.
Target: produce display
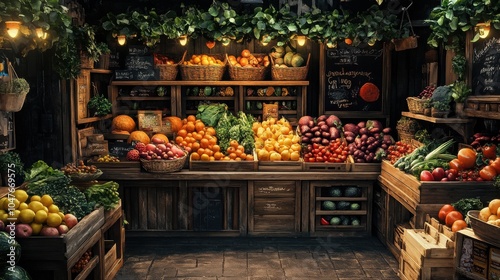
338 207
367 141
108 158
275 140
491 213
72 168
247 59
398 150
82 262
286 57
203 59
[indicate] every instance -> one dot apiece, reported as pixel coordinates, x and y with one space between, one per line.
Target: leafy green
211 113
237 128
41 174
464 205
105 195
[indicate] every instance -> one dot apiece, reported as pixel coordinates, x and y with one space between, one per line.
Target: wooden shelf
229 98
210 83
267 98
143 98
101 71
93 119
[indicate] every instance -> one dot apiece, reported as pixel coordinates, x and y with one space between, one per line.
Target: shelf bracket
464 129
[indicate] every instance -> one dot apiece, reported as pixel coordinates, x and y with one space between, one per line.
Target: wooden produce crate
128 165
364 167
327 167
487 106
113 236
58 254
472 257
426 254
281 165
224 165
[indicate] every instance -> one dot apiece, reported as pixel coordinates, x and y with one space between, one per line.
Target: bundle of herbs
237 128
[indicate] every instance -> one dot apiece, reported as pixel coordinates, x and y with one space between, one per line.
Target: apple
70 220
62 229
23 230
49 231
150 147
162 147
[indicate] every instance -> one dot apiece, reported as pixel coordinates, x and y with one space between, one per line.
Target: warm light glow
331 45
45 34
183 40
483 29
122 39
265 40
301 40
372 42
226 41
39 32
12 28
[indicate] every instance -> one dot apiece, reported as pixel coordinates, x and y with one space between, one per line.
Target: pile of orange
194 135
203 59
275 140
247 59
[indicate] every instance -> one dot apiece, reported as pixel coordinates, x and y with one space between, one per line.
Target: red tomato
456 164
452 217
487 173
490 151
458 225
426 175
438 173
447 208
467 157
495 164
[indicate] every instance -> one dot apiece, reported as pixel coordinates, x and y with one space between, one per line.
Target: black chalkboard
136 75
486 65
137 50
133 62
349 68
119 149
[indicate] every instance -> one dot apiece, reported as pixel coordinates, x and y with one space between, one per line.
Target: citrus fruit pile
275 140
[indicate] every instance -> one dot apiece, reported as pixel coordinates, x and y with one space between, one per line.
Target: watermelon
343 205
335 221
335 192
5 249
14 273
328 205
352 192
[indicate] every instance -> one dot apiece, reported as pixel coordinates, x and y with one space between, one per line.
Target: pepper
324 222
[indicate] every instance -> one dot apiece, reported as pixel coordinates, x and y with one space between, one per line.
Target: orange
191 118
195 146
232 156
195 156
348 41
249 157
182 133
494 205
205 157
204 143
201 151
245 53
179 140
484 214
295 156
216 148
240 148
199 126
243 156
244 61
274 156
197 136
190 127
212 141
234 144
218 155
230 150
210 131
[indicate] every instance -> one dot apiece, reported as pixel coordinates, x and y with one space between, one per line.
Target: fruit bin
58 254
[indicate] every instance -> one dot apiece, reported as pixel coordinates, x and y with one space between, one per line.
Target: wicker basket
11 102
163 165
168 72
239 73
204 72
290 73
405 136
416 105
85 177
85 61
485 231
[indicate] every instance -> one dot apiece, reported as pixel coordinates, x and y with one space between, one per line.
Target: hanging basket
11 101
409 42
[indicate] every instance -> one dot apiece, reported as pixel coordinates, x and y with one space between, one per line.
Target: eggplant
334 132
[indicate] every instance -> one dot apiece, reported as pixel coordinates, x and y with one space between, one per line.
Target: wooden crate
426 254
223 165
280 165
83 93
113 237
327 167
486 106
471 256
363 167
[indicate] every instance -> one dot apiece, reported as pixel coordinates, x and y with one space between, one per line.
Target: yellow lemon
53 208
484 214
41 216
14 214
35 198
46 200
53 220
36 228
494 205
61 214
23 206
36 205
21 195
4 217
26 216
10 204
2 200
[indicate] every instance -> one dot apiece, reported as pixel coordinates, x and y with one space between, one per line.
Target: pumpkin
138 136
175 123
160 136
123 122
369 92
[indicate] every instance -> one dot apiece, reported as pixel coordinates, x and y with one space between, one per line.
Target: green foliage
12 160
18 86
100 104
460 91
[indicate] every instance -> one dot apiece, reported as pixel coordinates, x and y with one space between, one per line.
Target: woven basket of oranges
203 67
248 66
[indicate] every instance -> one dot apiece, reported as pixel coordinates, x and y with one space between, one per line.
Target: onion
334 132
304 120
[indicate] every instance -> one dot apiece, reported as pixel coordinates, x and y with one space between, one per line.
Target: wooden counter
232 203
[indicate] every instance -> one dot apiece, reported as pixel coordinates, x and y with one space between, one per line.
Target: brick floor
256 258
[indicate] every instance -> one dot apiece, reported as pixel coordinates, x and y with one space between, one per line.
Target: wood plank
274 206
274 189
304 209
250 208
152 209
404 196
243 215
183 206
298 209
274 223
446 192
143 208
161 208
228 206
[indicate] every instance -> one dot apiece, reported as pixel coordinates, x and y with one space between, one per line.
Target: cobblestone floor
257 258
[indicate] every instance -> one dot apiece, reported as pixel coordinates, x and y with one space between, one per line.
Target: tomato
490 151
467 157
456 164
495 164
426 175
487 173
452 217
458 225
438 173
447 208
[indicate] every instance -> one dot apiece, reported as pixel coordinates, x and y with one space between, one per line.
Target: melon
288 58
123 122
279 61
138 136
297 60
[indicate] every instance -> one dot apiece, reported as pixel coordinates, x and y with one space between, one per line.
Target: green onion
440 150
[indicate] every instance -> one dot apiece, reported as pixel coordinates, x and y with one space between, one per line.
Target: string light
183 40
483 29
265 40
122 39
226 41
331 45
12 28
372 42
39 32
301 40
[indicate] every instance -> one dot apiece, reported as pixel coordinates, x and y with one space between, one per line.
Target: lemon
53 208
3 217
23 206
26 216
41 216
11 204
21 195
35 198
14 214
36 205
61 214
36 228
46 200
2 201
53 220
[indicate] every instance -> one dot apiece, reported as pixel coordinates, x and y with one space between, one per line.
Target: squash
123 122
175 123
138 136
297 60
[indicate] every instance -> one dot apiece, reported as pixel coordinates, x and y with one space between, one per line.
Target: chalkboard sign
119 149
353 78
136 75
139 62
486 65
137 50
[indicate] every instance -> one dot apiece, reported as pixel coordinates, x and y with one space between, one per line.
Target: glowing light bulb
483 29
122 39
265 40
331 45
301 40
12 28
372 42
226 41
39 32
183 40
